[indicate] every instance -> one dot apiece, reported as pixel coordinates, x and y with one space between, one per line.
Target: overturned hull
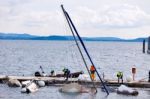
126 90
74 88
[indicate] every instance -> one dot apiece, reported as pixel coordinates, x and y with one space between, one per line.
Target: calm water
25 57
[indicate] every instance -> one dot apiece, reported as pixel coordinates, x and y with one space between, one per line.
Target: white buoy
24 90
129 78
41 83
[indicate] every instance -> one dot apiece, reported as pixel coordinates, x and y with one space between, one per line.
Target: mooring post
148 50
144 46
149 77
133 73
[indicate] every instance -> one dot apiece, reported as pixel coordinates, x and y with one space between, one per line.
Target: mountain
54 37
24 36
102 39
140 39
13 36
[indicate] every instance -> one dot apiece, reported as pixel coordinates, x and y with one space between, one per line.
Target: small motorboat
126 90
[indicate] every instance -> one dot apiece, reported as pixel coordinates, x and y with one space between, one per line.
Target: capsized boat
126 90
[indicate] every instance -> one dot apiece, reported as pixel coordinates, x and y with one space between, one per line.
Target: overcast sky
93 18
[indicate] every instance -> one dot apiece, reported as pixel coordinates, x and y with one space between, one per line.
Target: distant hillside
13 36
53 38
102 39
139 39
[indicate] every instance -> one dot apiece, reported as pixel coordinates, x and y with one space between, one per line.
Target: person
120 76
92 70
52 73
66 73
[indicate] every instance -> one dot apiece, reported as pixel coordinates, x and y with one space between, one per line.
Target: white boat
30 87
126 90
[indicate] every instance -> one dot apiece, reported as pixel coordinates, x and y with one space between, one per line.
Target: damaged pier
58 81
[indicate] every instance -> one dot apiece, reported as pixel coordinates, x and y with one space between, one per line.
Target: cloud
118 16
44 17
21 16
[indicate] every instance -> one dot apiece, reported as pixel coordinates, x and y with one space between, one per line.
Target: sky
92 18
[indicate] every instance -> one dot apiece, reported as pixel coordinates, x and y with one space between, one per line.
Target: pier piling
144 46
148 50
149 76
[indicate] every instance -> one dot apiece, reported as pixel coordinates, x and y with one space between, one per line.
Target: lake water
25 57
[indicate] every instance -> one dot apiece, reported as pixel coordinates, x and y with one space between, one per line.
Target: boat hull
124 90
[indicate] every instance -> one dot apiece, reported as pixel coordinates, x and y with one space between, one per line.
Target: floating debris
30 87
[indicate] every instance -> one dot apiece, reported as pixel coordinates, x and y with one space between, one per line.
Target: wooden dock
50 81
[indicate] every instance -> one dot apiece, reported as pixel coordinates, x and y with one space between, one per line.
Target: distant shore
14 36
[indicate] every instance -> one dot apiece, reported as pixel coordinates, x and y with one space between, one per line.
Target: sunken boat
148 50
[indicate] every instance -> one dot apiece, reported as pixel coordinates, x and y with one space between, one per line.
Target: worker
120 76
92 70
66 73
52 72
